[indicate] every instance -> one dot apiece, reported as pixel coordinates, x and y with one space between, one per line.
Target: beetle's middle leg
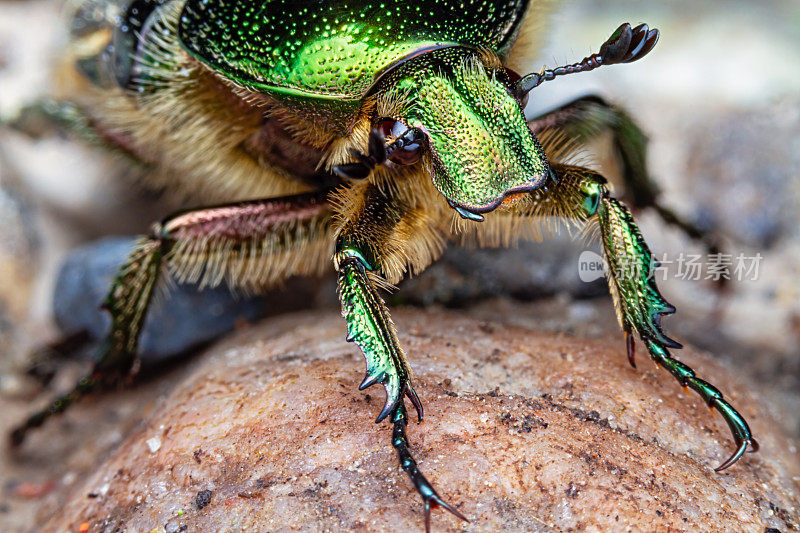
248 245
376 230
590 117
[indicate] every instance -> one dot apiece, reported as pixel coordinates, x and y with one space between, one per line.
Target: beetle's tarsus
740 431
409 465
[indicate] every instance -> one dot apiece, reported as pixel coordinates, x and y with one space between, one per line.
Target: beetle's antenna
625 45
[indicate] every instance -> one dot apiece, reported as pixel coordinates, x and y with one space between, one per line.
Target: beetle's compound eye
391 127
405 144
514 77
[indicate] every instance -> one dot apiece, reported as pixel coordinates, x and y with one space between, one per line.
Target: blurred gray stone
531 270
177 321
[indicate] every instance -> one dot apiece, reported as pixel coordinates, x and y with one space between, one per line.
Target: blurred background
719 98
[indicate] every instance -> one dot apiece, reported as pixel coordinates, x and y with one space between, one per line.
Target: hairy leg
361 252
589 117
247 245
580 194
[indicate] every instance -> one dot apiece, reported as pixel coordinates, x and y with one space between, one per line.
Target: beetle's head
474 134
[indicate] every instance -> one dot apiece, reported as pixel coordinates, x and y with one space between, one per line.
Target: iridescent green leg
248 244
638 301
370 327
590 117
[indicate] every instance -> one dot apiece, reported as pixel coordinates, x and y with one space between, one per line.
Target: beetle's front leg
582 193
369 326
379 230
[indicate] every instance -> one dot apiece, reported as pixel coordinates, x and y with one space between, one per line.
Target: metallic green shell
325 55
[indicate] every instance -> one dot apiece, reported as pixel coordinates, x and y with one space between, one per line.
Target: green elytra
335 50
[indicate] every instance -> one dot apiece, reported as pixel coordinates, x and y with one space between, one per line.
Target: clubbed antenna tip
625 45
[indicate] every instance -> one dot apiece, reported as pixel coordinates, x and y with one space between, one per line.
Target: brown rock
523 431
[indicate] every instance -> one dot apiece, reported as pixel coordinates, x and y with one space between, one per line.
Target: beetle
370 133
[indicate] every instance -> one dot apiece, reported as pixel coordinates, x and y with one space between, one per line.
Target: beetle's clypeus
358 131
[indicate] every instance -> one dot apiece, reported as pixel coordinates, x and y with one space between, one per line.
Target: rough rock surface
523 430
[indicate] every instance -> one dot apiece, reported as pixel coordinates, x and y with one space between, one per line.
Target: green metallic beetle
370 133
